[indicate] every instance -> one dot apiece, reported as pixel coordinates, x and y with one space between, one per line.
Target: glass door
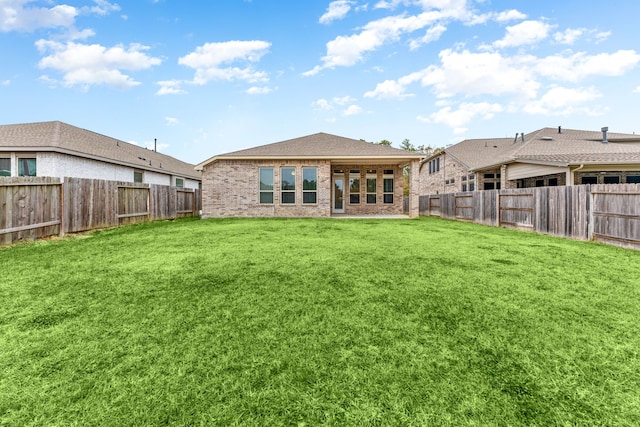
338 195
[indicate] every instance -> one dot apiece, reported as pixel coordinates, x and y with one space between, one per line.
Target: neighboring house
318 175
56 149
546 157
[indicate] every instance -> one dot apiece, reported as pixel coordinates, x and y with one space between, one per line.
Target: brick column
414 189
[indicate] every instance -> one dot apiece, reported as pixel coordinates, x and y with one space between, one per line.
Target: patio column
414 189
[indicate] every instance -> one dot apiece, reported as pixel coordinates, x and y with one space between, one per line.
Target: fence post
61 208
590 208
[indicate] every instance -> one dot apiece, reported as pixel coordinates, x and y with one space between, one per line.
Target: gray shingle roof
548 145
61 137
318 146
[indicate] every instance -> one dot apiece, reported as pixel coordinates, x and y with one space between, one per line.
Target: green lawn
318 322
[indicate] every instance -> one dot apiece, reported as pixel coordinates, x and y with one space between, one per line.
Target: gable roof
548 146
319 146
60 137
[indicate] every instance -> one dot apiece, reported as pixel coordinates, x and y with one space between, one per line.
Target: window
553 182
472 186
26 167
539 182
179 182
5 167
266 186
472 176
387 186
372 185
631 179
464 187
612 179
489 176
288 186
354 187
137 176
489 185
589 180
309 185
464 178
434 165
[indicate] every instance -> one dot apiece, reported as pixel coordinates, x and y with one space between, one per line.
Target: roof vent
559 129
546 138
516 138
522 136
604 135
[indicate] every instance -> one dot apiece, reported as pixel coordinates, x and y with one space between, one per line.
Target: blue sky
209 77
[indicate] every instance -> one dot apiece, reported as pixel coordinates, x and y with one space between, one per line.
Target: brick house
56 149
546 157
319 175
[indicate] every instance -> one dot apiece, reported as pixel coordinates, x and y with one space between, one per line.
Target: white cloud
345 51
389 89
524 33
564 101
581 65
327 105
637 89
256 90
352 110
337 9
17 15
465 112
85 65
344 100
20 15
208 61
170 87
568 36
171 121
102 8
431 35
322 104
5 82
601 36
470 74
510 15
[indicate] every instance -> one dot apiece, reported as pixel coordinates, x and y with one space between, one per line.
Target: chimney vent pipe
604 135
559 129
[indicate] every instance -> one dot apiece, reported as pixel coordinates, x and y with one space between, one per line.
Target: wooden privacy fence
607 213
33 208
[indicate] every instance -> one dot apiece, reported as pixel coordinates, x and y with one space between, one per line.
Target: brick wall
447 180
230 188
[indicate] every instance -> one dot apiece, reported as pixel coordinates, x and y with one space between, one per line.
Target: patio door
338 194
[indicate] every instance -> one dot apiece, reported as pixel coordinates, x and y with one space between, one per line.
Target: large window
288 185
266 185
372 186
387 186
309 185
434 165
137 175
5 167
179 182
354 187
631 179
27 167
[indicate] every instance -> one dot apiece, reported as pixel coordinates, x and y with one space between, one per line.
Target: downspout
573 173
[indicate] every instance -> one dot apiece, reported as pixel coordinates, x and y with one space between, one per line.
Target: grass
319 322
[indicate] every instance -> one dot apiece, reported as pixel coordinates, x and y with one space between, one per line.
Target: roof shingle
62 137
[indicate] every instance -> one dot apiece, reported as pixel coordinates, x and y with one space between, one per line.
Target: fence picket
33 208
